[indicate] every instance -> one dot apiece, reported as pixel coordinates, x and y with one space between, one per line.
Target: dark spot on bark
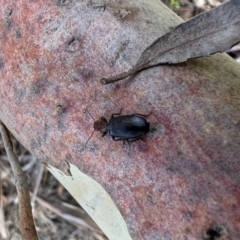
84 73
153 129
9 12
18 33
187 231
237 123
147 225
60 124
72 44
64 2
60 109
71 40
98 5
233 169
93 148
1 63
150 198
134 209
124 13
157 130
35 114
81 147
172 169
99 8
40 17
9 23
35 144
215 233
187 216
20 93
184 166
61 113
46 131
35 88
38 87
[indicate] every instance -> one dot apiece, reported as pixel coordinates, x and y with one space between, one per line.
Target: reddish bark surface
184 180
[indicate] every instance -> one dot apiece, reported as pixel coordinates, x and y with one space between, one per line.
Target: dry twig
3 230
27 226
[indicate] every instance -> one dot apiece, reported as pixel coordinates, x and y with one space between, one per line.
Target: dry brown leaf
210 32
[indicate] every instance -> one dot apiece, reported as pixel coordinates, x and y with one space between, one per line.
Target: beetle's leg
117 114
143 115
136 139
119 139
104 133
127 141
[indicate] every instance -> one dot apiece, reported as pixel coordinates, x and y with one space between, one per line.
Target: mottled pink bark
185 178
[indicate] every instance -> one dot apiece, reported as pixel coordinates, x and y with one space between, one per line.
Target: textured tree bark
184 181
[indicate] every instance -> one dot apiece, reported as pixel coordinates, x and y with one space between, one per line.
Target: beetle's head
101 125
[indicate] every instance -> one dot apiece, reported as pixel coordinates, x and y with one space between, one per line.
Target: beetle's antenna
86 110
90 114
89 138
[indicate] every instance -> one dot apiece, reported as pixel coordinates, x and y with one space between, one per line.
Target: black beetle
127 128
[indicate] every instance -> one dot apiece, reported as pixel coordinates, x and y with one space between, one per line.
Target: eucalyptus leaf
214 31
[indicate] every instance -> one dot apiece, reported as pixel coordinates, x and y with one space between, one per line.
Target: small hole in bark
10 12
72 44
150 198
18 34
215 233
123 13
84 73
60 109
153 129
98 4
64 2
9 23
1 63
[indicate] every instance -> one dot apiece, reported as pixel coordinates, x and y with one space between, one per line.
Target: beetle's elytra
127 128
